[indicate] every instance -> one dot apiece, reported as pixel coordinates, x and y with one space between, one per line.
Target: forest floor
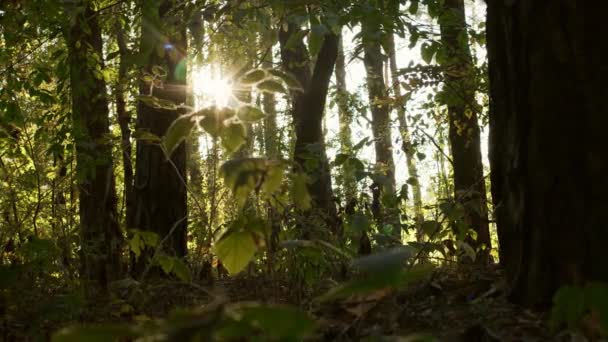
450 305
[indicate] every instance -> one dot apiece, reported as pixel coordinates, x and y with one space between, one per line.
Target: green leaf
420 156
235 250
234 136
181 270
568 305
290 80
166 104
136 245
145 135
271 86
166 263
176 133
596 297
427 52
341 158
250 113
102 333
278 323
253 76
316 38
273 177
413 9
299 191
430 228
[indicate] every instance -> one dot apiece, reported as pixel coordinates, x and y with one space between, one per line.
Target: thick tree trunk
381 124
99 230
349 185
406 145
160 189
459 95
547 143
307 113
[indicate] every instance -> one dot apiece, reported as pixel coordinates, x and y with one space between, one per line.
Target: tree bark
349 185
381 125
547 143
307 113
160 184
124 120
99 230
464 136
406 144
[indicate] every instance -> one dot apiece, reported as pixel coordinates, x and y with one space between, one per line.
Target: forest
303 170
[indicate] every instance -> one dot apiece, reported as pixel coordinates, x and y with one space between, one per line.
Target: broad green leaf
235 249
301 197
234 136
430 228
166 104
427 52
568 305
273 177
102 333
249 113
596 298
341 158
316 38
181 270
253 76
176 133
136 245
151 101
145 135
278 323
289 79
166 263
271 86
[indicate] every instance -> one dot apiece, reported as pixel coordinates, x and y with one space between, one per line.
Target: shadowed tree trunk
406 145
100 234
381 126
307 113
548 155
160 190
459 96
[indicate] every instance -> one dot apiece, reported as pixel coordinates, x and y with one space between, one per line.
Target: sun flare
209 88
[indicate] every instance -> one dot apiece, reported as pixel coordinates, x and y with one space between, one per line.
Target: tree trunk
160 189
381 126
307 113
547 143
459 96
406 145
349 184
99 230
124 119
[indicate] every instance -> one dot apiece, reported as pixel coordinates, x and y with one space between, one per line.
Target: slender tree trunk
349 184
459 94
160 184
124 119
381 126
548 155
406 146
307 113
99 230
271 147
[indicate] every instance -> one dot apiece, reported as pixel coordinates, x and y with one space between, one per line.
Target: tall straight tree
549 163
99 230
406 139
349 186
307 112
381 122
160 189
459 96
